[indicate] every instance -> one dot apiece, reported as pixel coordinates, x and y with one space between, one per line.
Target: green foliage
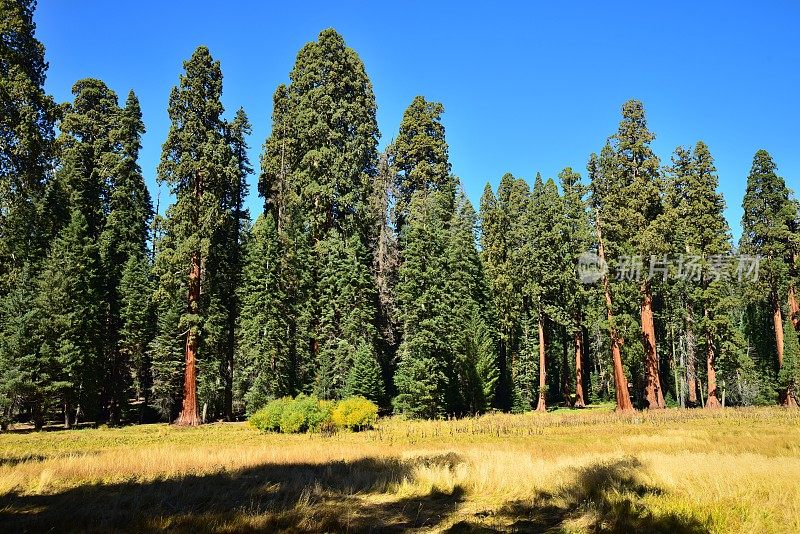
365 379
355 413
307 413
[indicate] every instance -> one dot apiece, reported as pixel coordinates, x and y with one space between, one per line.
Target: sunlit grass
569 470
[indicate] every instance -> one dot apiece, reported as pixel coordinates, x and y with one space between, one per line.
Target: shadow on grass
605 497
267 498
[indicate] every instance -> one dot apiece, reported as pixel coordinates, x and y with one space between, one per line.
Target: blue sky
527 87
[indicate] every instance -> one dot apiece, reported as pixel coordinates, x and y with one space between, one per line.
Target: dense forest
368 272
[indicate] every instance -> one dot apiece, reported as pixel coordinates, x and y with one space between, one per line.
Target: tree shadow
605 497
297 497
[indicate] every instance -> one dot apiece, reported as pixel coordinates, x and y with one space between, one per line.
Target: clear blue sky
533 86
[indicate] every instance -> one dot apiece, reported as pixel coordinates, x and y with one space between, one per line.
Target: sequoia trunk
653 393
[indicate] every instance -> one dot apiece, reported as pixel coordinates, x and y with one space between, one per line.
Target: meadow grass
735 470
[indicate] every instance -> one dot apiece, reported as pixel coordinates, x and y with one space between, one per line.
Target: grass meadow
733 470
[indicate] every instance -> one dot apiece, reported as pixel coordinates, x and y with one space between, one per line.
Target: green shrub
355 413
307 413
268 418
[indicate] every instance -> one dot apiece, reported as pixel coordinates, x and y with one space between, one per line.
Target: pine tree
706 236
497 261
364 378
789 374
124 236
136 328
69 302
549 260
766 231
425 370
474 355
610 214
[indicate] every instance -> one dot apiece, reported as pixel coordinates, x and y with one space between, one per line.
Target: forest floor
736 470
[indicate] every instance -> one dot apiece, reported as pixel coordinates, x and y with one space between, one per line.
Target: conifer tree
420 155
197 164
318 170
425 369
766 231
578 240
705 235
26 144
69 301
364 378
607 202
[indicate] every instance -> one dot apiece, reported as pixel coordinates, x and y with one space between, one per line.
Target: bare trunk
188 415
653 393
542 405
777 321
579 400
620 381
691 358
711 401
565 368
794 308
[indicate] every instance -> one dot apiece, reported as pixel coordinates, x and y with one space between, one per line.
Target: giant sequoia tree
203 172
766 231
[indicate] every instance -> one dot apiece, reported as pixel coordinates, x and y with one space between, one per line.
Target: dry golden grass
573 471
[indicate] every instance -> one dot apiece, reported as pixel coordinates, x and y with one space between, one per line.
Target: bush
355 413
268 418
307 413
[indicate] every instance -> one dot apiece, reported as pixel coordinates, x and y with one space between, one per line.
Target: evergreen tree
198 165
789 374
364 378
136 329
575 296
425 368
69 303
26 145
420 155
318 169
706 236
766 231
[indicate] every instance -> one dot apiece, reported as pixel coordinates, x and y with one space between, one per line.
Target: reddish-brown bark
579 400
794 308
189 415
691 359
777 322
541 406
654 396
712 401
620 381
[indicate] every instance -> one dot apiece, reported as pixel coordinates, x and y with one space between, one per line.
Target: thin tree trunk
653 392
711 401
691 358
542 404
620 381
565 368
579 400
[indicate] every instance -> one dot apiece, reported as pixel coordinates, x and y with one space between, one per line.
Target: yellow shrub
355 413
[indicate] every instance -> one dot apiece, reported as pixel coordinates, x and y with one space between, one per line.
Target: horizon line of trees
367 273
